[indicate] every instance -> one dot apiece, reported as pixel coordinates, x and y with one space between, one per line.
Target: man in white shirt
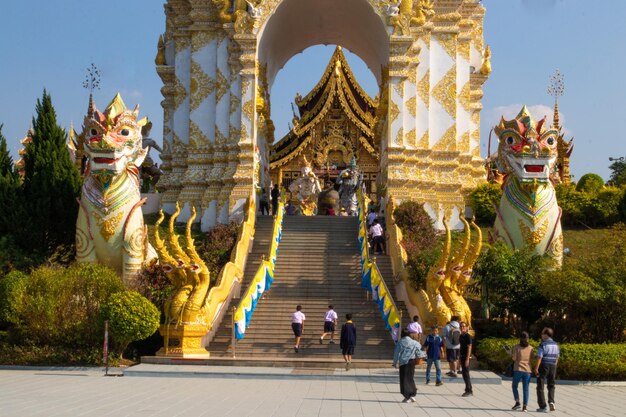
330 321
378 240
297 325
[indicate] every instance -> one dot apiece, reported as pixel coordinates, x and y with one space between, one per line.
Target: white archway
298 24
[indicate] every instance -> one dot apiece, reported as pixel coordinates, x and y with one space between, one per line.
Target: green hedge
578 361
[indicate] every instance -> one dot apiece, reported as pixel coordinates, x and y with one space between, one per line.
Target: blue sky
49 44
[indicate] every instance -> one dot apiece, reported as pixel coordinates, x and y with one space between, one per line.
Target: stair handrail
262 281
231 274
372 279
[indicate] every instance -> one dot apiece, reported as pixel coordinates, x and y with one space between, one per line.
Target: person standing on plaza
330 321
465 357
414 329
547 358
275 194
521 354
297 325
406 352
434 351
452 336
347 342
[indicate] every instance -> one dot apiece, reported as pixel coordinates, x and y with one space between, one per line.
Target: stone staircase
318 264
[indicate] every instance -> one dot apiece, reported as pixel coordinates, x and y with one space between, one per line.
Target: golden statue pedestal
183 341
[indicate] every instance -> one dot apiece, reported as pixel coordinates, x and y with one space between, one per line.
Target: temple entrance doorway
331 123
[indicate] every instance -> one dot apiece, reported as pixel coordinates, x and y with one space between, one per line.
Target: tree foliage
51 185
9 186
484 199
508 282
419 239
590 183
591 209
131 317
618 172
587 297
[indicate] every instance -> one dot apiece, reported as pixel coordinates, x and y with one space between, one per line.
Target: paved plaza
158 390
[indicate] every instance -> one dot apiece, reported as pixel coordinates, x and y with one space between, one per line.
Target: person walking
330 321
406 352
414 329
347 342
378 238
434 351
275 194
465 357
264 206
452 336
547 358
521 354
297 325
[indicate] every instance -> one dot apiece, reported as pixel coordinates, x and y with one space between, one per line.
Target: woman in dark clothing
348 340
466 355
406 352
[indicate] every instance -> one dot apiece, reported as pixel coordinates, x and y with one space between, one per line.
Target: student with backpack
434 351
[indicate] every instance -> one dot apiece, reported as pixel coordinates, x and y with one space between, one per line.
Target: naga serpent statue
528 215
186 271
110 228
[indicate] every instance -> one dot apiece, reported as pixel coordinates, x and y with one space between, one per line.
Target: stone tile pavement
184 390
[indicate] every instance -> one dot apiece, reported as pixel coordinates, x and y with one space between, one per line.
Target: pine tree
9 185
51 184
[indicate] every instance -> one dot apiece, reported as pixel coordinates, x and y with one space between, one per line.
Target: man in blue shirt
547 359
434 351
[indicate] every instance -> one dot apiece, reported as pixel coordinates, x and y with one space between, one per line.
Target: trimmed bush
578 361
131 317
59 306
590 184
416 225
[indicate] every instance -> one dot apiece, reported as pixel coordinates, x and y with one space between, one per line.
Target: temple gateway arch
219 58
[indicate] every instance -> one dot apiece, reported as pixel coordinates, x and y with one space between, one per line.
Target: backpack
455 337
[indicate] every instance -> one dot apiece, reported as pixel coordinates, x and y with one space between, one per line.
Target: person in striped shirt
545 369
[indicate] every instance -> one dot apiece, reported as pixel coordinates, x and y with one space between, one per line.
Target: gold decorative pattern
399 87
245 86
201 86
464 142
424 142
235 102
445 92
180 93
222 86
447 141
108 226
394 111
423 89
136 243
400 137
181 43
464 97
448 43
201 39
411 137
196 136
220 139
464 50
533 237
411 106
248 110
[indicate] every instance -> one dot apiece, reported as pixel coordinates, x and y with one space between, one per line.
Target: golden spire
556 89
485 69
160 56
